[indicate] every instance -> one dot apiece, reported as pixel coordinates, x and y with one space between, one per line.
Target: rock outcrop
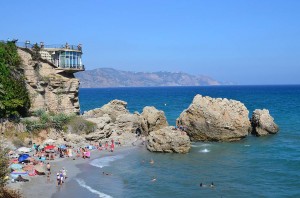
263 123
113 109
168 140
153 119
49 88
209 119
112 119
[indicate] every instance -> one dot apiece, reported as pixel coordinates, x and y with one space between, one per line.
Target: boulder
152 119
263 123
128 123
168 140
112 109
215 119
100 121
101 134
73 138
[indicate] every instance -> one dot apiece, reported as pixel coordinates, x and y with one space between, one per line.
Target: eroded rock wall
49 88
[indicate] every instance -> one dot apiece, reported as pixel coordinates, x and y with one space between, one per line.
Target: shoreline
39 186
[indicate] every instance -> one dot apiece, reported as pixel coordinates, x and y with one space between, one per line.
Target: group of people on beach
61 176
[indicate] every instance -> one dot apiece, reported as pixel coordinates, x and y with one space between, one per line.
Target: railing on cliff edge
42 46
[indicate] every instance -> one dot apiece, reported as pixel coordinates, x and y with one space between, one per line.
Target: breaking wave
105 161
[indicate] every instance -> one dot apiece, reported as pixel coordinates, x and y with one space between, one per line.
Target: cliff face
108 77
50 89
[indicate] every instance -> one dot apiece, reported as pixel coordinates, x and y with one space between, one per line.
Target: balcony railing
55 46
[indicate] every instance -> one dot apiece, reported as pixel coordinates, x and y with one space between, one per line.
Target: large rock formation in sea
168 140
263 123
50 89
210 119
153 119
108 77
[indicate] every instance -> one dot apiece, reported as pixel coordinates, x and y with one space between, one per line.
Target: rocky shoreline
206 119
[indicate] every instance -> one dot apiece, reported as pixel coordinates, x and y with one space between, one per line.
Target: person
61 178
106 173
153 179
144 140
100 146
138 132
58 181
48 177
106 145
212 185
64 172
48 166
151 161
21 179
112 146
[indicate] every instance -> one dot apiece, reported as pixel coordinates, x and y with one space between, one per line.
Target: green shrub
59 120
78 125
18 142
46 120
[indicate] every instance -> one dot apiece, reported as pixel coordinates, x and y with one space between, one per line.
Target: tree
2 92
14 97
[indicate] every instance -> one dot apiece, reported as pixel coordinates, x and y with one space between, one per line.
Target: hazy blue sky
244 41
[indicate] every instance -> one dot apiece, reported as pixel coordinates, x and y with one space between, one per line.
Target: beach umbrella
63 146
39 168
23 157
50 151
50 147
28 167
16 166
24 149
16 173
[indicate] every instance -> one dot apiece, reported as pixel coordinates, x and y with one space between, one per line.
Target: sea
253 167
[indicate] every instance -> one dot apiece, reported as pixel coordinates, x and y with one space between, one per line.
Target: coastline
38 186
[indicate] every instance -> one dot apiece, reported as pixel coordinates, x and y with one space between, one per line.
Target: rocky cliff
50 89
108 77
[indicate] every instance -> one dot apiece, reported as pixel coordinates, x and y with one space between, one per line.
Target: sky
247 42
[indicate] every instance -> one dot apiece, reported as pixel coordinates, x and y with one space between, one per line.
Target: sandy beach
40 186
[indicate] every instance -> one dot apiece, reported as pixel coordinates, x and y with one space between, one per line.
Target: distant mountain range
108 77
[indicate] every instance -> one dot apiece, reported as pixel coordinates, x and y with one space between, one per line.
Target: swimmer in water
153 179
202 185
151 161
212 185
106 173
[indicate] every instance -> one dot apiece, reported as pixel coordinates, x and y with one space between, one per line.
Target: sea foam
204 151
105 161
83 184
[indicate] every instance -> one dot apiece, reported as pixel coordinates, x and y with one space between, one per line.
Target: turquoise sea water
254 167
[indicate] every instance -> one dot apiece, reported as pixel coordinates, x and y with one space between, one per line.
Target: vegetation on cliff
14 97
61 122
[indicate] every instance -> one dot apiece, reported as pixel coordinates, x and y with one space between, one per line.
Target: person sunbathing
21 179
